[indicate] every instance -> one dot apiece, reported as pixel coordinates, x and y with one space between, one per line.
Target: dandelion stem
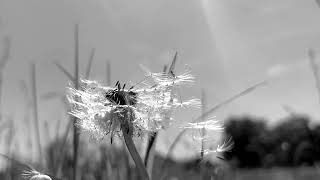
127 135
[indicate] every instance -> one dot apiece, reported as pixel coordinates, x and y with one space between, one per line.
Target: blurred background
228 45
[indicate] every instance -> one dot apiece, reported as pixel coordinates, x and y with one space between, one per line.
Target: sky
228 44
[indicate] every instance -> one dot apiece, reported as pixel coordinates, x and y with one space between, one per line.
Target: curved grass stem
206 114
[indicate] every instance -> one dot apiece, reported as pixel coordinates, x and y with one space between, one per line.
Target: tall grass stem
108 78
76 83
203 130
315 70
35 110
151 146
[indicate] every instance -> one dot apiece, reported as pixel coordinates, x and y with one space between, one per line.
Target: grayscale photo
159 90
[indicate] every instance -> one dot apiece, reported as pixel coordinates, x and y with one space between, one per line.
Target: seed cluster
102 110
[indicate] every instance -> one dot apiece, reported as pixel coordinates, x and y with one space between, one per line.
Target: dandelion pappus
146 107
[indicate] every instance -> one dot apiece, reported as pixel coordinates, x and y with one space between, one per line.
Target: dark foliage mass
292 142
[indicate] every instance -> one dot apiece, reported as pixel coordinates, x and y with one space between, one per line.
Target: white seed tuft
101 109
34 175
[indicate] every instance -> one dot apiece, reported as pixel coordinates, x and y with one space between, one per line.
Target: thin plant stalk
76 84
203 169
91 58
151 146
47 130
87 75
206 114
3 62
151 152
315 70
35 110
173 64
57 164
203 130
127 135
222 104
27 103
108 78
59 161
10 136
58 124
127 132
65 72
136 157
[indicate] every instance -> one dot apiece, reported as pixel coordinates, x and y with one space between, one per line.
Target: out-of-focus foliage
107 162
292 142
95 161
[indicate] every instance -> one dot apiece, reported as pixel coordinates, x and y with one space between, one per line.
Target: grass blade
3 61
173 64
65 72
6 52
76 83
203 131
59 161
207 113
315 70
35 109
108 78
91 58
152 141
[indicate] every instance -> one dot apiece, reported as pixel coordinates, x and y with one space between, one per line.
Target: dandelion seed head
34 175
41 177
100 110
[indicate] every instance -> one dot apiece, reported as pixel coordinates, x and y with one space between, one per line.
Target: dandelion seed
208 125
195 103
226 146
200 138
